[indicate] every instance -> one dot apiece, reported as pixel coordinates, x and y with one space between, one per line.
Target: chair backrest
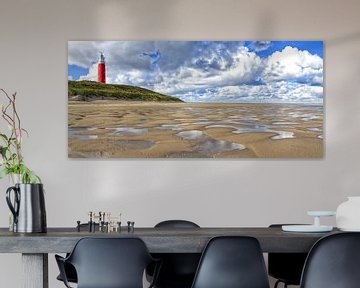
178 269
232 262
176 224
286 266
333 262
110 262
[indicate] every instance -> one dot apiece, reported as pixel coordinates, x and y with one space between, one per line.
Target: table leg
35 270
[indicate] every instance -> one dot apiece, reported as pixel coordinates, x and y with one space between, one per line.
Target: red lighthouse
101 69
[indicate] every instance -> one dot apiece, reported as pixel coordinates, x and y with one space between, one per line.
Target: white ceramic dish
306 228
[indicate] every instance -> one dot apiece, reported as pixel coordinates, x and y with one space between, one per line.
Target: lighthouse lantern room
101 69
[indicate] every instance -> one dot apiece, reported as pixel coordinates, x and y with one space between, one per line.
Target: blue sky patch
75 72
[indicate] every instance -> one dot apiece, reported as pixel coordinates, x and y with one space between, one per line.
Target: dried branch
12 159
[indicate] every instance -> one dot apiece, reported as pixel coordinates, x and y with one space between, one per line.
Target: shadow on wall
265 27
345 39
137 16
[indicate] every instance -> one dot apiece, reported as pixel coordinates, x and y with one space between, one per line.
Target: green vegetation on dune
89 90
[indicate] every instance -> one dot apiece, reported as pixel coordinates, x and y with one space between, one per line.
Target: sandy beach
113 129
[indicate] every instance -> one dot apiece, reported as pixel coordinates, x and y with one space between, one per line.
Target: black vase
28 208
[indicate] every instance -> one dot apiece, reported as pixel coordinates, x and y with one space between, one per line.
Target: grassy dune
89 90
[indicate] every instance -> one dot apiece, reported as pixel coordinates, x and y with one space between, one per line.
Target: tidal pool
129 131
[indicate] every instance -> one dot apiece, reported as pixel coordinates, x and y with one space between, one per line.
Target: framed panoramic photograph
195 99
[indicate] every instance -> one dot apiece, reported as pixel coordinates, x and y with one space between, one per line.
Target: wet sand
112 129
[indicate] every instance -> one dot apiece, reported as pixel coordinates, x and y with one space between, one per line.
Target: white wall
33 47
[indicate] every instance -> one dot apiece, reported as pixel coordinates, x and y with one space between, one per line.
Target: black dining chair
70 271
333 262
178 269
108 263
286 267
232 262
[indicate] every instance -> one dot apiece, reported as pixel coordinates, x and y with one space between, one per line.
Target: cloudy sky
208 71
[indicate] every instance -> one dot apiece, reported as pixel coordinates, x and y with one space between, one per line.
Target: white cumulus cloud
244 69
275 92
293 64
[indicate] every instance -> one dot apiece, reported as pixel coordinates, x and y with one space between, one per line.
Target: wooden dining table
35 247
